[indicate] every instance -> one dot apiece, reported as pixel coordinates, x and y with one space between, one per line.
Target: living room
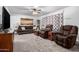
34 28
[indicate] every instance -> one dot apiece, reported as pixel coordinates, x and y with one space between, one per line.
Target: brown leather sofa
67 36
44 33
25 30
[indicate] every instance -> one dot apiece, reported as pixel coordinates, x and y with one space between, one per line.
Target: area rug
33 43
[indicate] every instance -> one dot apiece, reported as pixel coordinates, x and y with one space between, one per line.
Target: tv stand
6 42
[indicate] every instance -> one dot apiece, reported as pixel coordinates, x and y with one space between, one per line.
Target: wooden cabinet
6 42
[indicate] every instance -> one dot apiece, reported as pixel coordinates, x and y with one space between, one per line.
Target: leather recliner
67 36
44 33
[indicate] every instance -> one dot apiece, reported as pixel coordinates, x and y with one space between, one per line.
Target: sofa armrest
60 33
71 35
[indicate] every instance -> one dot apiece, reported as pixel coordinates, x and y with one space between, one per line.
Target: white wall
16 18
71 16
0 14
0 10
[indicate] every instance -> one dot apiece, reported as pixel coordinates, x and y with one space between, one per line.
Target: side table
50 35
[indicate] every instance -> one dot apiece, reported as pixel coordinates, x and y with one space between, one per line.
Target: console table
6 42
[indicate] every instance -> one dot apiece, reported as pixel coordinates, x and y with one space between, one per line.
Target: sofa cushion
29 27
66 33
23 28
67 27
61 37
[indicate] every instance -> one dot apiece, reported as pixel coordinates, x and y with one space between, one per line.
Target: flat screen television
5 18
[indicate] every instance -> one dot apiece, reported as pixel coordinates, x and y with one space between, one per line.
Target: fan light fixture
35 13
36 10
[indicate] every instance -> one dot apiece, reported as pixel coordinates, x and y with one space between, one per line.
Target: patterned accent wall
56 20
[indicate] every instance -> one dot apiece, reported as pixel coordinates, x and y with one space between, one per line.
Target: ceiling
27 10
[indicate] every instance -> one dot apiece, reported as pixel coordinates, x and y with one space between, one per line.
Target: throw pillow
23 28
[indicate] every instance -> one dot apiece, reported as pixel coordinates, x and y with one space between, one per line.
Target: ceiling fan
34 10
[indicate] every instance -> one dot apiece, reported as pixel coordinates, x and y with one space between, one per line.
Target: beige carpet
33 43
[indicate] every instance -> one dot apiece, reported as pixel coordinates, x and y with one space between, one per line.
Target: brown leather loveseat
25 29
